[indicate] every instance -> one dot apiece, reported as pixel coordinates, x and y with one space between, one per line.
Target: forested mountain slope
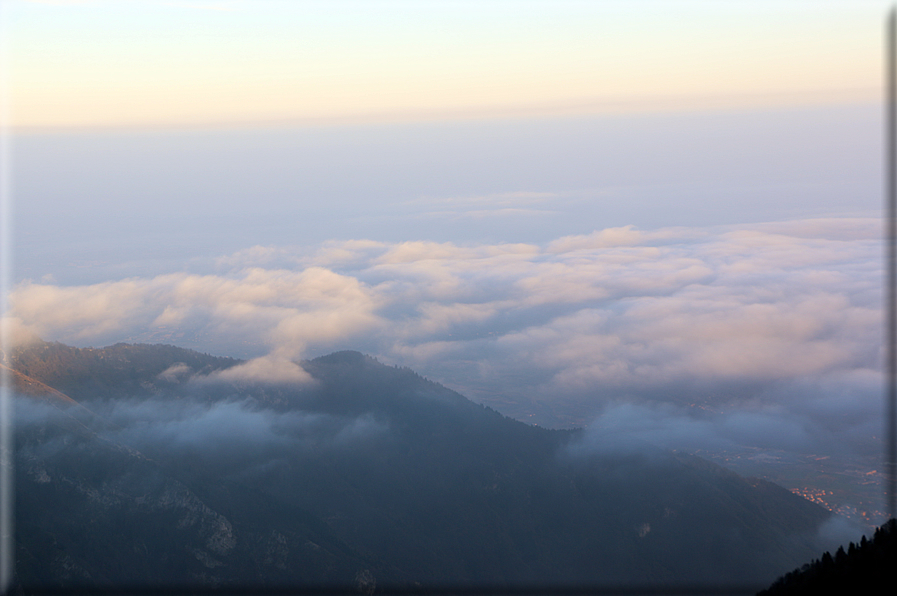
366 474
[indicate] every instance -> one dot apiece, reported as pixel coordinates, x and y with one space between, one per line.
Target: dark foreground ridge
864 568
368 478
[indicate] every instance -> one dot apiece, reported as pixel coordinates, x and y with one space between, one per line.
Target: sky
650 217
211 63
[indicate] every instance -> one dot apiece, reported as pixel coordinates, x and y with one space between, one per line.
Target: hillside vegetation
368 475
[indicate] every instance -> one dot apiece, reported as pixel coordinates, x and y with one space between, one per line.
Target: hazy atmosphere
659 220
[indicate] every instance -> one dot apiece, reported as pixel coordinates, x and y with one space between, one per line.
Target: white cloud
435 318
16 333
608 315
610 237
272 370
269 306
175 372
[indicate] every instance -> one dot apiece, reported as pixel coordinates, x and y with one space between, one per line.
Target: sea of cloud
767 334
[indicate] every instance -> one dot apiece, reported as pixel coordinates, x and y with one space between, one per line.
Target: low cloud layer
775 324
240 436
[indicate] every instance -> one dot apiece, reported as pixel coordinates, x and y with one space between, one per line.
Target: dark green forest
864 568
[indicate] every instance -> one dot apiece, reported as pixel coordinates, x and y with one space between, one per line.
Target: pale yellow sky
140 63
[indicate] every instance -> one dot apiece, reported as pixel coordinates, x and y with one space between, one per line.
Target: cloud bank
781 319
236 436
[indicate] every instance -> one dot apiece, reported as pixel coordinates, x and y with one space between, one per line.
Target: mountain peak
344 357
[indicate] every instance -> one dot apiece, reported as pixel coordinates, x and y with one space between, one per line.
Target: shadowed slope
408 481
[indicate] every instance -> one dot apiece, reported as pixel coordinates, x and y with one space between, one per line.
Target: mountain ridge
416 482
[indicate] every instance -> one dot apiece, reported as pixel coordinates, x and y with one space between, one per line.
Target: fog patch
838 531
17 334
226 425
267 369
29 411
662 424
192 424
730 425
175 373
230 437
44 430
612 446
